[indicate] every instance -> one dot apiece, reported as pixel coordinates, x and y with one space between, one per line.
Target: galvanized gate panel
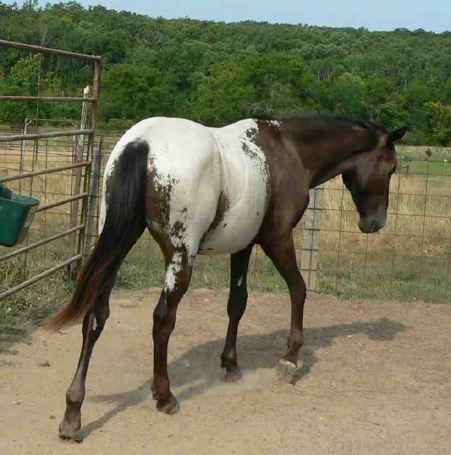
59 173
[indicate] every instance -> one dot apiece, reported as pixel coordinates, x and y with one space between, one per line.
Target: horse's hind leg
178 274
93 324
236 306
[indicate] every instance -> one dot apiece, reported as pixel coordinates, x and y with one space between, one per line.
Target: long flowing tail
124 223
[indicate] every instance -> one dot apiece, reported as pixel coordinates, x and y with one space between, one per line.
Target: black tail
124 223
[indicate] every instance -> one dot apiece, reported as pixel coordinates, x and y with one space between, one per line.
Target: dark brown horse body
195 212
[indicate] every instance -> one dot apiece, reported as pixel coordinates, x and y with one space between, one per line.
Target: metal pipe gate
86 191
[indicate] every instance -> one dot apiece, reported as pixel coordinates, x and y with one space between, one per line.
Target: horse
201 190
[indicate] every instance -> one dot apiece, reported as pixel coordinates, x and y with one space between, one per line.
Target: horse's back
179 140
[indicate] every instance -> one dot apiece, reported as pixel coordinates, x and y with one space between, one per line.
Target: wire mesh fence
410 258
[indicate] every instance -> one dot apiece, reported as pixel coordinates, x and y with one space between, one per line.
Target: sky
431 15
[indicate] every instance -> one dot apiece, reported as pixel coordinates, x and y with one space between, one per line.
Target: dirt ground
377 380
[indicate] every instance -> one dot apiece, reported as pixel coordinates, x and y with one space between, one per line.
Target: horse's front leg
283 256
236 305
178 274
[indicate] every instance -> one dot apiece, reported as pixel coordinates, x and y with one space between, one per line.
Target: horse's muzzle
369 225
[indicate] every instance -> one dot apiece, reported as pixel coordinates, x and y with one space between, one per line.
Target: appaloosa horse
206 190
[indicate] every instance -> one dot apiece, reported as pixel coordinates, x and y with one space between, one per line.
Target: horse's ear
397 134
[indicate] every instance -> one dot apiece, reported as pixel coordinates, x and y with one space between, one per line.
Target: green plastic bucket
16 214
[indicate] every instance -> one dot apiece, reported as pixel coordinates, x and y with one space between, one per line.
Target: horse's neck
327 159
325 168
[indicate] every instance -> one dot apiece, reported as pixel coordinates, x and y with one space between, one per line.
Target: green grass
412 278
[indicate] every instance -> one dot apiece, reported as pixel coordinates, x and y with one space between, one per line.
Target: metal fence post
93 196
90 151
77 158
311 237
23 149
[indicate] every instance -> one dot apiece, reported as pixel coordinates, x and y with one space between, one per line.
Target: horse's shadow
197 370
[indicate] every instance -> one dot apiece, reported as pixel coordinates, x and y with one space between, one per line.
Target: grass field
408 260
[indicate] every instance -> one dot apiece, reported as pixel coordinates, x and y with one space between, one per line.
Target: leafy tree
439 121
254 84
21 80
348 96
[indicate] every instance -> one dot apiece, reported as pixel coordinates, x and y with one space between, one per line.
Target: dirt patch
377 381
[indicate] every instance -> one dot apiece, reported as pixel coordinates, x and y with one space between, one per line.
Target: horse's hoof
67 431
154 393
288 372
168 405
233 375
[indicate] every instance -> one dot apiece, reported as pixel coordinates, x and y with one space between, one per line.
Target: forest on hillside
216 73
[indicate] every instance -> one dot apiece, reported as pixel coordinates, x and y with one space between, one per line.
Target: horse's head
368 180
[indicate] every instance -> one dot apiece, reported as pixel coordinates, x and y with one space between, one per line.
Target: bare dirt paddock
377 381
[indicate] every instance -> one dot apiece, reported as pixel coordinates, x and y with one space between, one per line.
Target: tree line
216 73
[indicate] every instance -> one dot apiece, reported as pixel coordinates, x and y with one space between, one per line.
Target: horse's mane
313 128
312 122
